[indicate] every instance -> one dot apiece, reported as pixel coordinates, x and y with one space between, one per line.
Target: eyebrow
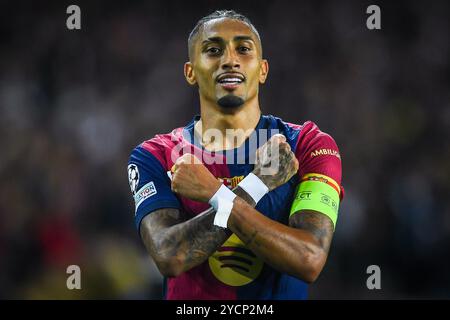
220 39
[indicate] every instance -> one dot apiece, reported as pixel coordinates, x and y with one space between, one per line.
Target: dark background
73 104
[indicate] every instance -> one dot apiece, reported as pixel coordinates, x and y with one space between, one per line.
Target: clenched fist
192 180
275 162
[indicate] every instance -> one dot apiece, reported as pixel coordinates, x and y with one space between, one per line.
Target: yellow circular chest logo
234 264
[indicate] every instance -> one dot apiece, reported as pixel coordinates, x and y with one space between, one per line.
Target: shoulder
316 150
313 142
301 136
312 136
158 147
318 153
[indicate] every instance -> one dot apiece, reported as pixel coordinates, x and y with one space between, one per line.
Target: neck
216 121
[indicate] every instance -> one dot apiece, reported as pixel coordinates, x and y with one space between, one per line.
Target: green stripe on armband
318 196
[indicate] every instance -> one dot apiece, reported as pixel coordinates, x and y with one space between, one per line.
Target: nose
230 60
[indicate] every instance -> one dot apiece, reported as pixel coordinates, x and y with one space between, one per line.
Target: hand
275 162
192 180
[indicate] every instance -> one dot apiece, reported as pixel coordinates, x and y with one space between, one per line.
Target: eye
243 49
213 50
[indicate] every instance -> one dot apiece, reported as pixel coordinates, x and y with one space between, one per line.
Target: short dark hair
219 14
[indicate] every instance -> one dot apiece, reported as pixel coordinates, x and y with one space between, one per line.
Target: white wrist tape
254 187
224 193
223 212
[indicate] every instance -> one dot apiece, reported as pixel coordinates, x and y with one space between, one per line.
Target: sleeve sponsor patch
145 192
325 152
133 178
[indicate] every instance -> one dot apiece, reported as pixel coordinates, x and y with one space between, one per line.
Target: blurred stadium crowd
73 104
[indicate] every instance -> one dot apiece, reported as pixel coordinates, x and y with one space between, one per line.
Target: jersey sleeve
320 172
149 183
317 152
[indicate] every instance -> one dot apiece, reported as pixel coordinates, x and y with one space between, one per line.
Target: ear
263 71
189 73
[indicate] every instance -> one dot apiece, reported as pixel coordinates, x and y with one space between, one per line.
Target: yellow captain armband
319 193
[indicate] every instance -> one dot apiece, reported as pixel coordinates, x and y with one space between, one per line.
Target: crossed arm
178 244
300 249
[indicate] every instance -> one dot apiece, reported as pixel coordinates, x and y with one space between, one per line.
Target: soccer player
246 216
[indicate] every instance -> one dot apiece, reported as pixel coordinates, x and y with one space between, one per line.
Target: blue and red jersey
233 271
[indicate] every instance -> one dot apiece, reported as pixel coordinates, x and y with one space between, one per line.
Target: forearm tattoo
168 233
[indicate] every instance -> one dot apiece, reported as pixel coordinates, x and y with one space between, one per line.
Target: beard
230 101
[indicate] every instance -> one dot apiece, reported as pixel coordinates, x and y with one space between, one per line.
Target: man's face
226 63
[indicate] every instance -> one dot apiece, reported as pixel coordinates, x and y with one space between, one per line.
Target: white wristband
224 193
223 212
254 187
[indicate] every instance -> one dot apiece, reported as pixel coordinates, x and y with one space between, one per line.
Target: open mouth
230 81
